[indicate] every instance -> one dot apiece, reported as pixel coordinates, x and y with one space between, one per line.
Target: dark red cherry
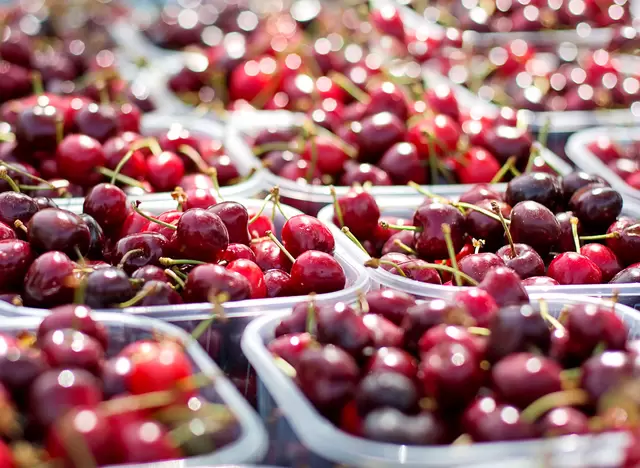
525 261
67 348
538 187
19 368
117 147
480 192
605 371
97 121
574 268
96 236
360 212
235 252
49 280
235 217
535 225
430 217
317 272
596 206
342 326
479 304
77 158
145 441
201 235
504 142
206 281
15 206
327 376
390 304
387 97
481 226
269 256
539 281
425 315
504 285
36 127
574 181
330 157
15 259
628 275
54 229
383 332
478 265
563 421
394 360
394 427
107 287
377 134
254 275
278 283
139 250
302 233
566 241
403 164
76 317
442 99
355 173
486 420
444 333
107 204
386 390
6 232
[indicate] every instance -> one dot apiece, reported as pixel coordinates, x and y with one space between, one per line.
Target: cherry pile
525 15
621 159
542 231
66 399
566 80
431 373
115 255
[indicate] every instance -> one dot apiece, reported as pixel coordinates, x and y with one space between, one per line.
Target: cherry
429 218
107 287
16 81
199 198
54 229
96 121
563 421
504 285
535 225
340 325
55 392
539 281
317 272
143 441
475 166
391 426
387 20
290 347
107 204
302 233
383 332
394 360
278 283
117 147
269 256
49 280
390 304
20 367
478 265
330 157
478 193
402 163
596 206
450 374
486 420
604 371
574 268
628 275
481 226
438 135
165 170
76 317
139 250
538 187
520 379
361 173
386 390
36 127
297 321
254 275
358 211
327 376
503 142
442 99
423 316
77 157
205 281
574 181
387 97
235 252
522 259
15 259
377 134
603 258
65 349
15 206
444 333
201 234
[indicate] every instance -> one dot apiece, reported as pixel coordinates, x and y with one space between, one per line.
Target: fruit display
568 234
76 392
394 379
611 152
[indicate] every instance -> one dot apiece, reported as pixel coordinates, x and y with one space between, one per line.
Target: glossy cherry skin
386 390
16 257
165 170
429 243
539 281
395 360
604 258
236 218
486 420
451 374
539 187
520 379
342 326
76 317
53 229
392 426
108 205
574 181
475 166
626 244
444 333
605 371
145 441
278 283
201 235
387 97
504 285
423 316
574 268
563 421
47 282
153 246
77 157
403 164
55 392
504 141
6 232
269 256
207 280
480 192
96 121
20 367
389 303
383 332
253 273
478 304
327 376
377 134
302 233
628 275
16 206
535 225
317 272
478 265
107 287
596 206
360 212
67 348
35 127
481 226
526 262
330 157
438 135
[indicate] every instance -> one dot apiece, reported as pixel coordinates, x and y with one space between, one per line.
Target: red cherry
439 134
317 272
250 78
442 100
574 268
604 259
253 273
388 21
77 157
165 171
476 166
330 157
302 233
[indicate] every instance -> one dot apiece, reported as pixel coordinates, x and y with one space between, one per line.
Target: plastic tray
308 439
250 446
578 151
222 339
311 198
628 294
155 122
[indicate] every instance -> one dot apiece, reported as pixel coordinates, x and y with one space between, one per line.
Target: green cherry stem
128 255
196 157
574 397
347 232
446 231
336 206
345 83
405 247
121 178
172 274
169 262
135 207
7 178
574 232
503 170
149 289
273 194
280 246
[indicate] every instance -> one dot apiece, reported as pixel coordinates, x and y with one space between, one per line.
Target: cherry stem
546 315
376 262
336 206
480 331
169 262
172 274
280 246
36 83
405 247
503 170
347 232
350 150
310 322
498 212
345 83
180 197
135 207
574 397
574 233
611 235
17 170
363 304
178 273
446 231
396 227
217 312
286 368
7 137
274 194
477 244
121 178
20 225
276 146
195 157
149 289
310 129
472 207
59 129
6 177
150 143
128 255
433 160
543 135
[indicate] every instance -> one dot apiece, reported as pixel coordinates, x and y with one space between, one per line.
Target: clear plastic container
311 198
305 438
222 339
577 150
247 165
251 444
628 294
